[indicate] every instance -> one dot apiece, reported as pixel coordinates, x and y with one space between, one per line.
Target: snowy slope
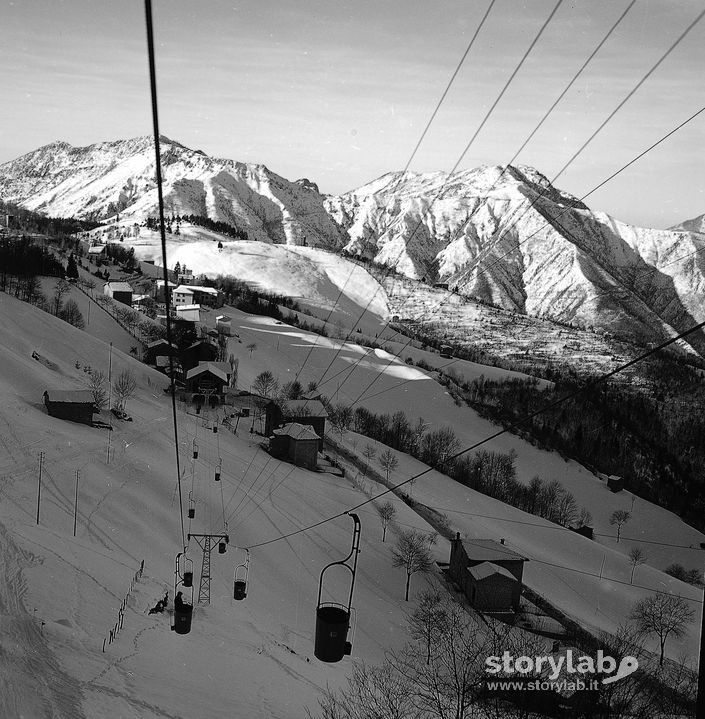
251 658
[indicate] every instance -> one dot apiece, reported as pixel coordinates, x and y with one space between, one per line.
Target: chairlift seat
182 619
239 589
332 623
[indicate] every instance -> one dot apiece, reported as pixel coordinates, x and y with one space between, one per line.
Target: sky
340 91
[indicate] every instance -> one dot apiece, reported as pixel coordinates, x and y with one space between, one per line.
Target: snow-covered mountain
697 224
502 235
110 178
507 236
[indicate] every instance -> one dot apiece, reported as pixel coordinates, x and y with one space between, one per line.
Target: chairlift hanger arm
354 551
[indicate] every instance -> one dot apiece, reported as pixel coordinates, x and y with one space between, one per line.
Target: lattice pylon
204 590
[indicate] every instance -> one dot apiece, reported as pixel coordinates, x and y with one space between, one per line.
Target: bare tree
663 615
266 384
380 692
620 517
234 363
340 416
386 514
71 313
369 453
584 518
411 553
62 289
124 387
388 462
252 347
637 557
97 387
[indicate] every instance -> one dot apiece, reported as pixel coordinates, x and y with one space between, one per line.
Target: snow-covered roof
296 431
119 286
488 569
97 250
181 308
208 367
223 318
160 283
70 396
487 550
222 366
190 289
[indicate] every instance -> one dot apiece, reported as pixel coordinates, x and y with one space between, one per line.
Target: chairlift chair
240 576
191 506
183 577
333 618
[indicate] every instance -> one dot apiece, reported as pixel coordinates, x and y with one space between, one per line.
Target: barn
74 405
310 412
490 588
488 572
119 292
296 443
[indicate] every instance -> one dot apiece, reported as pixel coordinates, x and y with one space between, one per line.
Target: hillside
253 657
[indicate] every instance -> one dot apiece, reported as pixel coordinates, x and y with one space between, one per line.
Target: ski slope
252 658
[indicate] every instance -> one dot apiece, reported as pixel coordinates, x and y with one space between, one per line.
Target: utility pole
110 398
75 504
39 485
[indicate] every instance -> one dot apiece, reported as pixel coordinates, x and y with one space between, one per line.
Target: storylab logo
558 673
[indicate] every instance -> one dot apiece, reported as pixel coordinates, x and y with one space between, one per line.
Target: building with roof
159 293
223 325
119 292
489 573
208 379
309 412
97 253
199 351
615 483
193 295
75 405
295 443
188 313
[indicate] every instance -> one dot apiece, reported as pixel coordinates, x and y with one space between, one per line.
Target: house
159 293
188 313
158 348
97 253
489 573
75 405
615 483
208 379
192 295
223 325
309 412
446 351
583 530
296 443
119 292
441 285
201 351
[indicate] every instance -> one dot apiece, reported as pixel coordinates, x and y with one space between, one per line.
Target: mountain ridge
503 235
